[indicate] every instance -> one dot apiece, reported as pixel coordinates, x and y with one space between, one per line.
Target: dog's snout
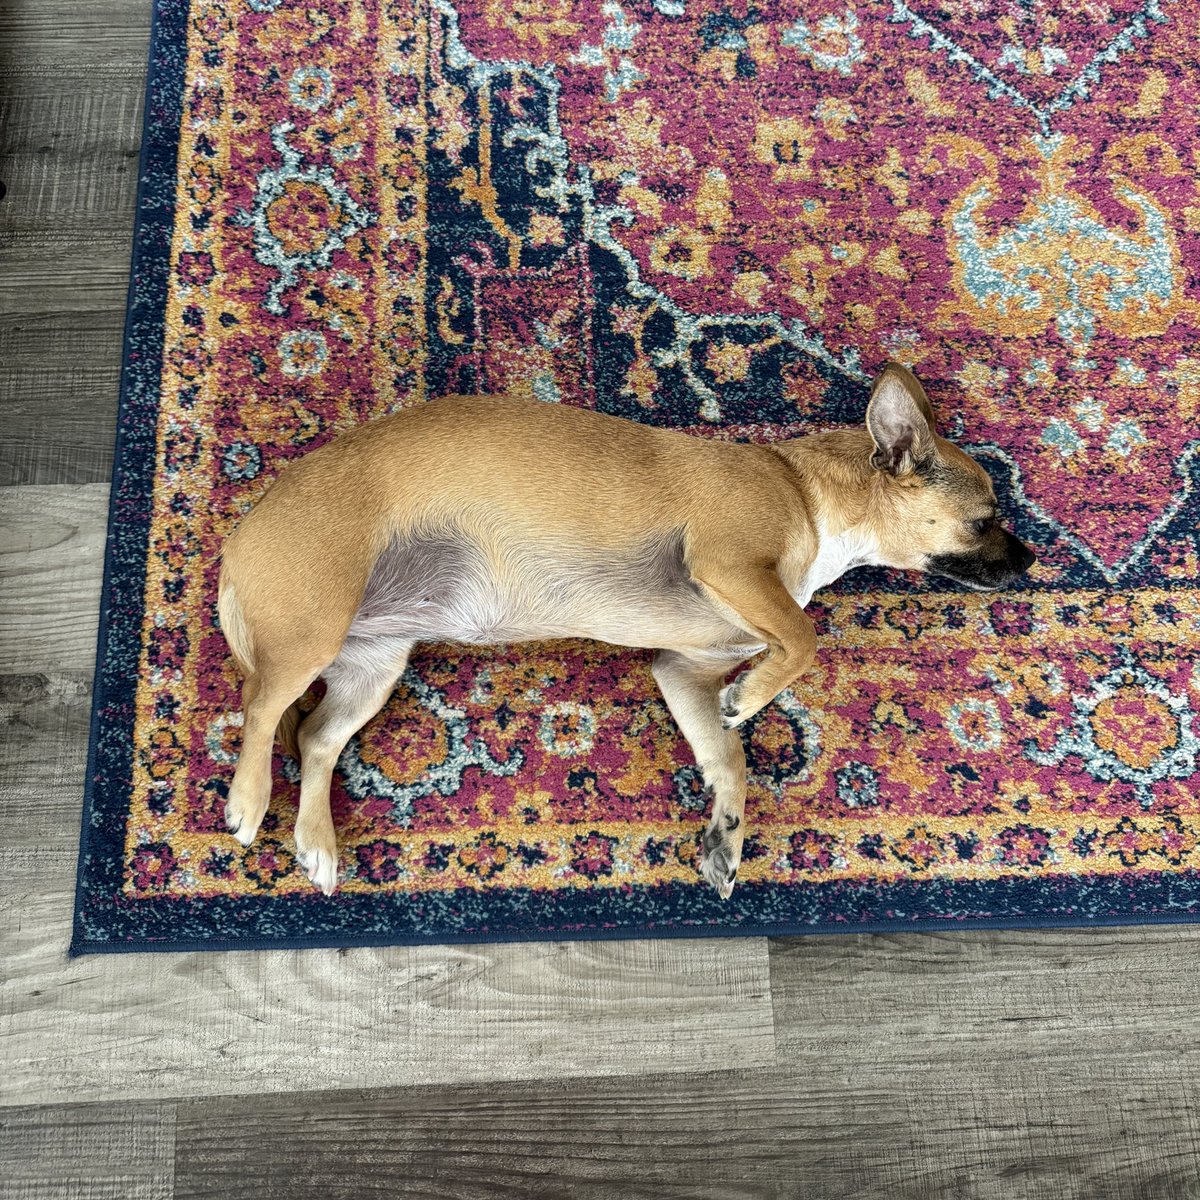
1019 554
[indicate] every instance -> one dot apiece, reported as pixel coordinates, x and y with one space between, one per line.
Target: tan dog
490 519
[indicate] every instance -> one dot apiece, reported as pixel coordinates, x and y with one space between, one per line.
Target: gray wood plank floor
983 1065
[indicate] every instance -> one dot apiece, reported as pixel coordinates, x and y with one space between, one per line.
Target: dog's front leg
758 601
689 685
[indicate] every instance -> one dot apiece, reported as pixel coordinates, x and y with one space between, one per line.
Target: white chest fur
836 554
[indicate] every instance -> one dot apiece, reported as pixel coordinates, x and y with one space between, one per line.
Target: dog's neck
845 494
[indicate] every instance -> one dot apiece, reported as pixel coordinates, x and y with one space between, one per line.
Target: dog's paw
721 853
729 702
242 819
318 858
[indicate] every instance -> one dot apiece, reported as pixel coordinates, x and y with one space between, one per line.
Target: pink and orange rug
717 216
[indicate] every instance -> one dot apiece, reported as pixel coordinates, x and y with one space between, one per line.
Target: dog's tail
233 626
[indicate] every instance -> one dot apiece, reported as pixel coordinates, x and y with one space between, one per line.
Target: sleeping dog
485 519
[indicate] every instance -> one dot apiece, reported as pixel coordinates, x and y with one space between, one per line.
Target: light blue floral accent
1179 762
242 460
857 786
1058 219
302 352
1129 372
1089 412
618 35
588 56
987 741
670 8
464 749
270 186
1037 368
548 161
1078 89
301 97
620 80
1060 435
568 746
264 6
800 36
1125 438
1052 57
1013 56
545 388
689 789
214 737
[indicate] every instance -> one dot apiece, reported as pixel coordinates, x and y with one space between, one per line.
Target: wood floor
973 1066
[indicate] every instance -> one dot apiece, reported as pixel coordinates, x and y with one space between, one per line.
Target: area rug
722 217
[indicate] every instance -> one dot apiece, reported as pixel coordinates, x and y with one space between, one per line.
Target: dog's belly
446 588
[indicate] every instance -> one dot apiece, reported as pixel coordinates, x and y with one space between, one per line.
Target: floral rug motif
717 215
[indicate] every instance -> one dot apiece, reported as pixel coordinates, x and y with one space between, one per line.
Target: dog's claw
319 862
237 824
719 860
727 701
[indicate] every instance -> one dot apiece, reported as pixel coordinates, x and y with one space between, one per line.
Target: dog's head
939 512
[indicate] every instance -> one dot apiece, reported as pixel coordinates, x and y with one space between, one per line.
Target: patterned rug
718 216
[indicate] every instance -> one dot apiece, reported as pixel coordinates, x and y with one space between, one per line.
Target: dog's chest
837 554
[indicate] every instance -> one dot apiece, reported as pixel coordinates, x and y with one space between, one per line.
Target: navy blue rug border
105 922
122 595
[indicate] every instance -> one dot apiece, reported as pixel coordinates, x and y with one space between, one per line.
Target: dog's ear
900 421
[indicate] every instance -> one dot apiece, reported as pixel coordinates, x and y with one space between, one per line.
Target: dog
494 519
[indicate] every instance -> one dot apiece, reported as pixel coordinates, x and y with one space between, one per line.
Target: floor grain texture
88 1152
1049 1065
750 1135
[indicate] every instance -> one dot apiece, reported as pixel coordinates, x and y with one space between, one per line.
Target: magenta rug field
723 218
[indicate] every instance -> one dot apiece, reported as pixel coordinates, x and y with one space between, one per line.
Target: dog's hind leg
358 683
267 694
690 684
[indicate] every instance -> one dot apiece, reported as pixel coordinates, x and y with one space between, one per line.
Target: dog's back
491 519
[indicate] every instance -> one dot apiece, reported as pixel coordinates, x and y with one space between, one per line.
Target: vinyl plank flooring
44 719
69 140
58 396
794 1132
50 34
109 1152
71 84
1012 1001
62 274
69 144
51 565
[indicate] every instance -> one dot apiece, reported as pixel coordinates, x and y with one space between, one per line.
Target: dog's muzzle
984 571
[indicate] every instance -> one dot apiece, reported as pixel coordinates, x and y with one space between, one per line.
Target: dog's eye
982 526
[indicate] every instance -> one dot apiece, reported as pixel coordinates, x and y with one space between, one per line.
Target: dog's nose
1019 554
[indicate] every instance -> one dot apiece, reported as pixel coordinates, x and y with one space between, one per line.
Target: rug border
632 933
157 165
587 914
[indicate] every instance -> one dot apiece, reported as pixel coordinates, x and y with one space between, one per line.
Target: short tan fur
495 519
